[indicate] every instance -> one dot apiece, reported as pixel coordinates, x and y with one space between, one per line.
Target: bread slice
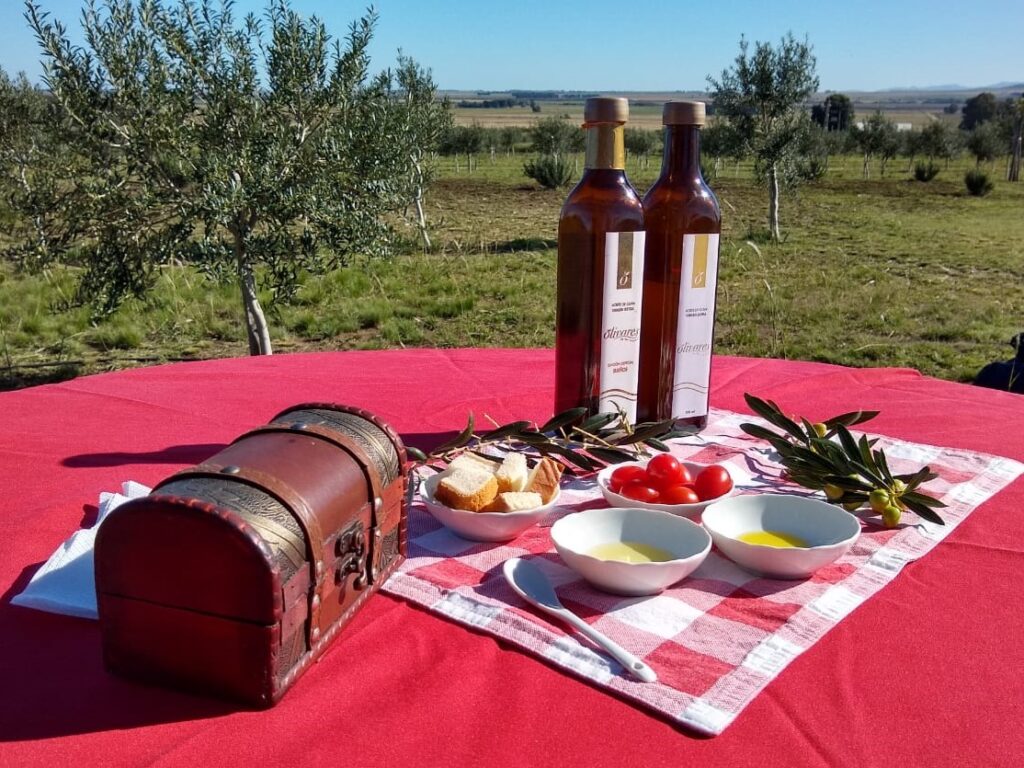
512 473
467 489
544 479
514 501
474 461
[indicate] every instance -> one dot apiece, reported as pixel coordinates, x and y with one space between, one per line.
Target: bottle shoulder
603 199
682 202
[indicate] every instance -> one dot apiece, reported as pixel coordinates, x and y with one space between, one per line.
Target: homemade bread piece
512 473
471 490
543 479
472 461
514 501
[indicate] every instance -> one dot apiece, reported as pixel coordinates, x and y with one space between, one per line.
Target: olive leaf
922 510
564 419
460 440
846 440
921 498
849 419
771 413
415 453
848 483
610 455
809 429
643 432
598 421
756 430
580 460
912 481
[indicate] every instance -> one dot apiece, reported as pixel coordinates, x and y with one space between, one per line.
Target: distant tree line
832 129
493 103
988 129
552 95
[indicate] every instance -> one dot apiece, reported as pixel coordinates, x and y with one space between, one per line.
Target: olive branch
851 471
584 444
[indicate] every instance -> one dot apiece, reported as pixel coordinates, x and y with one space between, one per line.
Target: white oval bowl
578 533
686 510
829 530
482 526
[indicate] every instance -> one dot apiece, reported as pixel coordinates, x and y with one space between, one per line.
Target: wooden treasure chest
231 577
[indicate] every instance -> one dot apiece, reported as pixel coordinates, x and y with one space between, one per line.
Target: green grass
879 272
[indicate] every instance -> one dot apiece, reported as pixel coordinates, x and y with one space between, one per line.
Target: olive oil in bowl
779 535
631 552
773 539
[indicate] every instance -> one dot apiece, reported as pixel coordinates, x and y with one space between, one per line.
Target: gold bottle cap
605 109
683 113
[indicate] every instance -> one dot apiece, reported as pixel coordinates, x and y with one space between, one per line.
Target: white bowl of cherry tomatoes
665 483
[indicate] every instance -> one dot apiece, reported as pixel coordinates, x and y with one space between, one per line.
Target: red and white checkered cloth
721 635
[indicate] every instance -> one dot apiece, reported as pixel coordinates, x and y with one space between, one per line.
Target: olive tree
31 157
463 139
940 140
552 138
509 137
762 97
640 143
718 140
253 148
1015 110
877 137
986 142
423 121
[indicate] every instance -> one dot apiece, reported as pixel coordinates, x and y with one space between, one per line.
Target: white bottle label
695 326
620 331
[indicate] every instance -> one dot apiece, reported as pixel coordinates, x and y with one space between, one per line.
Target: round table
928 672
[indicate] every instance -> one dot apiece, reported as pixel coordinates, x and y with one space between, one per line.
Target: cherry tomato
712 482
678 494
661 485
639 491
665 470
624 475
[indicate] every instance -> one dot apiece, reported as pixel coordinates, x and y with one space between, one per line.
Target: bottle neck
681 160
606 146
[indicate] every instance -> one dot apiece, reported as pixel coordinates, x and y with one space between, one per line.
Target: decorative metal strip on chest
350 548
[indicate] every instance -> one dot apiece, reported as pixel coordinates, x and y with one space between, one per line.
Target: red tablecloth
911 678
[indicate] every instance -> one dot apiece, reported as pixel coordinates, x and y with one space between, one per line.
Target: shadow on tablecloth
174 454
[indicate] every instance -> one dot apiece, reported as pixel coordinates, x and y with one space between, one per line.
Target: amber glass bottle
683 223
600 274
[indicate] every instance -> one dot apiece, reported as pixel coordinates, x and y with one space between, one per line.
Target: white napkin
66 583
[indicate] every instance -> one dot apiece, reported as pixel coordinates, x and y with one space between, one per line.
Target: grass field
879 272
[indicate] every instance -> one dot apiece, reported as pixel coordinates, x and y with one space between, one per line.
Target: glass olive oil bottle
600 274
683 223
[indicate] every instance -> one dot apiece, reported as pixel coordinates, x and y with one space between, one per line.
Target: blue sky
604 45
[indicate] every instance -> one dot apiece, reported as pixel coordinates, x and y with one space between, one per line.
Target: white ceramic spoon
533 586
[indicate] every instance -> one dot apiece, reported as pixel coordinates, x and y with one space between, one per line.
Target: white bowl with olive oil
630 551
784 537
